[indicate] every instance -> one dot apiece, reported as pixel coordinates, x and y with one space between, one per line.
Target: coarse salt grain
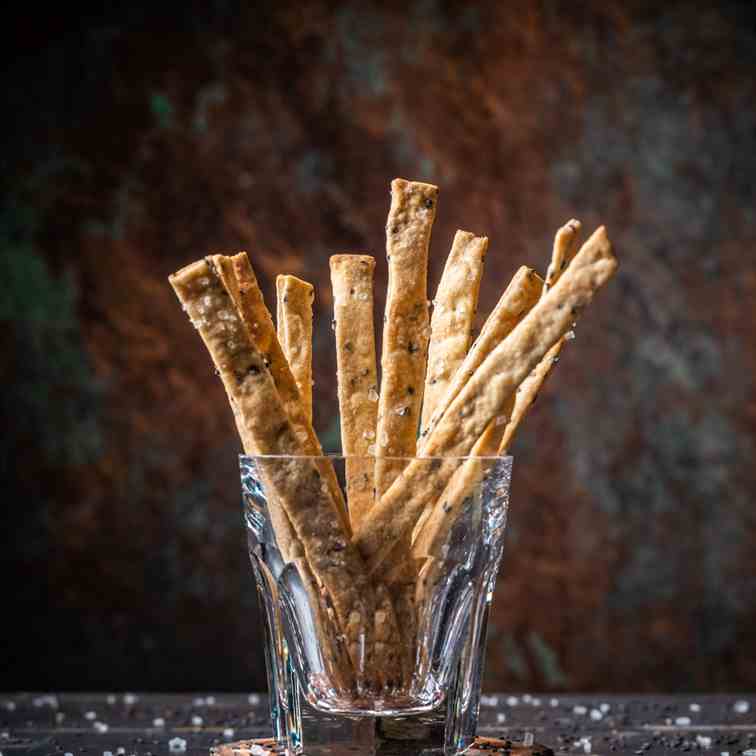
110 698
579 710
742 707
90 715
253 699
130 699
604 708
489 700
210 700
197 721
554 702
694 707
158 722
596 715
228 732
101 727
121 751
501 717
704 741
107 753
682 721
512 701
177 744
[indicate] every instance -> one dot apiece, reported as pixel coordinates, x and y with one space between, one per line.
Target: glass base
479 747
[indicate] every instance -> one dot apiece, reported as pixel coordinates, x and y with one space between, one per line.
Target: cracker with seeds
238 277
405 326
454 309
352 283
294 299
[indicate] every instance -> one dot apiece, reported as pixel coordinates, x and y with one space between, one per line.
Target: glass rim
332 456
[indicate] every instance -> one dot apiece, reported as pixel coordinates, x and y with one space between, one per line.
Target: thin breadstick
518 298
453 314
294 310
405 329
483 397
298 487
240 281
352 283
565 248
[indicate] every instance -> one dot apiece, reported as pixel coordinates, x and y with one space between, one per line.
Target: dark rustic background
138 139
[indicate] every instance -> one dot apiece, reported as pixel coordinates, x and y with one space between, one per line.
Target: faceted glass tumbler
406 680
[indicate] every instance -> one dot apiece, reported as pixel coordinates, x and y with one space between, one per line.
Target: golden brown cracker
454 308
294 309
405 329
352 283
239 278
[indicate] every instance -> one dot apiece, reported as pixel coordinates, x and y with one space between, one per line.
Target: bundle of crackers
413 442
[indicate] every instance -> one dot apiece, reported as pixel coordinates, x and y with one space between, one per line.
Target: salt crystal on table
100 727
177 744
121 751
210 700
501 717
111 699
704 741
196 721
90 715
489 700
198 702
535 702
554 702
158 722
228 732
107 753
527 697
750 752
682 721
604 708
579 710
695 708
596 715
513 701
130 699
253 699
742 707
59 716
724 753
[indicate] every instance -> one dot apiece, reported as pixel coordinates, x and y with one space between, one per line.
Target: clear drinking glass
402 672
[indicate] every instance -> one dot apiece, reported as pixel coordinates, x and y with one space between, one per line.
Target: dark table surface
100 724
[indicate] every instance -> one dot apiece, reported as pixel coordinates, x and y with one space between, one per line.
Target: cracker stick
352 282
565 248
453 315
239 279
294 311
405 329
518 298
482 399
296 484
